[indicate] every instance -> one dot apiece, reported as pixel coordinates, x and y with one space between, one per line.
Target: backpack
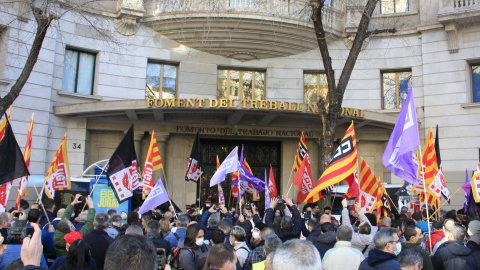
174 263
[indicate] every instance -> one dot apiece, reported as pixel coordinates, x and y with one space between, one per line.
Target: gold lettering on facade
282 106
299 107
253 104
223 103
244 103
200 102
157 101
355 113
150 102
190 103
231 104
263 104
181 102
273 105
212 103
290 108
169 102
311 108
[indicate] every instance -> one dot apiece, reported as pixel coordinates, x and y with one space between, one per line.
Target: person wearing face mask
413 235
383 255
258 254
237 238
191 247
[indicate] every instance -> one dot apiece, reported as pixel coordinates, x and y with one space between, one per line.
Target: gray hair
119 254
213 221
265 232
408 257
65 226
239 233
271 244
101 221
226 224
182 221
458 233
296 254
83 216
3 217
116 219
287 223
134 229
383 237
345 232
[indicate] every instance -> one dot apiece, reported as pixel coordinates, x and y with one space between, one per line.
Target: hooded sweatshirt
378 259
325 242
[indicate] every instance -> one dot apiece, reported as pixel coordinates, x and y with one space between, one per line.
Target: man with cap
69 239
473 243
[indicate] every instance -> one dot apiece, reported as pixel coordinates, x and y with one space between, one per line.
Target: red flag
301 153
58 175
353 190
272 186
153 162
303 180
4 192
22 185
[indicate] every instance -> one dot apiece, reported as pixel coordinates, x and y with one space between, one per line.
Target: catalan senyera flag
3 124
368 188
22 185
475 183
153 162
58 175
343 163
429 158
301 152
383 205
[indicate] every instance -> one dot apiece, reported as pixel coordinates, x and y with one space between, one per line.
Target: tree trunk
43 22
330 107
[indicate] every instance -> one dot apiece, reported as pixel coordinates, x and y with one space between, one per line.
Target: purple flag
399 156
241 191
467 187
247 177
157 196
267 192
229 165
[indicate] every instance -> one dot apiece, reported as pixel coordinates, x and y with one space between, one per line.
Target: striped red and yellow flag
153 162
3 124
380 205
430 159
343 163
58 175
301 152
22 185
249 188
218 163
368 187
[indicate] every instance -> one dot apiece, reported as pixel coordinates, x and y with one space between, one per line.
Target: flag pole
334 195
40 202
96 182
386 193
290 177
446 201
166 187
425 196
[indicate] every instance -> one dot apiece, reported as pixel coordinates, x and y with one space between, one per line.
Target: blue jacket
378 259
181 232
47 242
204 220
12 253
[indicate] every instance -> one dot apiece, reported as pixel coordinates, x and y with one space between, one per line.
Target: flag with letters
153 162
399 156
157 196
272 186
343 164
304 181
4 193
23 184
248 187
12 164
440 178
122 170
195 168
58 175
369 185
475 183
301 152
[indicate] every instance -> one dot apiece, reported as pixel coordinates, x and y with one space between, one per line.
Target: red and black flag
12 164
122 168
195 168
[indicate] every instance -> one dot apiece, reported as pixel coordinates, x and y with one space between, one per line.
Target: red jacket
436 237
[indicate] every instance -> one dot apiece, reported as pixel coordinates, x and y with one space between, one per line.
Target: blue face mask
399 248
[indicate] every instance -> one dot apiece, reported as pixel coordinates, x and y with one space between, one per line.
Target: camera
216 208
351 201
15 235
279 199
16 215
82 199
248 206
161 258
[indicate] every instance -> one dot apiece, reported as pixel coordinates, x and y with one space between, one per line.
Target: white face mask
255 234
199 241
249 214
399 248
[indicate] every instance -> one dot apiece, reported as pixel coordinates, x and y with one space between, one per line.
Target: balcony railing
458 6
461 3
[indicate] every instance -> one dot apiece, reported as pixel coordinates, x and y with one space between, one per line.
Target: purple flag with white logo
157 196
399 156
247 177
229 165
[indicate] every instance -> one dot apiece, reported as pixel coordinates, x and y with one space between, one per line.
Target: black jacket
286 235
315 233
474 257
451 255
158 242
325 242
378 259
99 241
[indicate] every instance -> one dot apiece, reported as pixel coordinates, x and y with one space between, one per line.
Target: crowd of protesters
280 238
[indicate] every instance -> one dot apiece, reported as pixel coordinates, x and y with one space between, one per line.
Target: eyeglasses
392 242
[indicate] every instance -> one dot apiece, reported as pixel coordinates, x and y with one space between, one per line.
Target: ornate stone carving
349 42
129 13
451 30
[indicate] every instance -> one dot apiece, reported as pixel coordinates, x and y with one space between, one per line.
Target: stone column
162 148
137 138
76 145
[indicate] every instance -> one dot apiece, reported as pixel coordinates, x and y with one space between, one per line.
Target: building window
475 83
161 80
314 86
241 84
393 6
78 72
395 85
